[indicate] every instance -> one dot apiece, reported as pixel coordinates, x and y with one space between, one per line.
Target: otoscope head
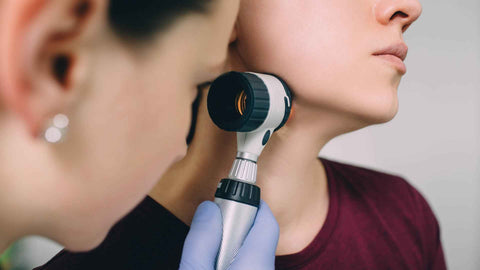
252 104
245 102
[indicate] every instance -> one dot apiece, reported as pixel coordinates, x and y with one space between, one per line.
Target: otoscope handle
238 202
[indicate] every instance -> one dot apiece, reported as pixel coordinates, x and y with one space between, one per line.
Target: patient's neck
291 177
294 184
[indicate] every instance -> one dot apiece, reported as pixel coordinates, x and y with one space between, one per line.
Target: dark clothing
150 237
374 221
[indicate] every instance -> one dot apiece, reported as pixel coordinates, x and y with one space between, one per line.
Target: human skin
326 53
129 105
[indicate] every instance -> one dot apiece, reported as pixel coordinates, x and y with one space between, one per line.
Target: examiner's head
124 73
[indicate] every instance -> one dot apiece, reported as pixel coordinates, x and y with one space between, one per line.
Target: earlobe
40 50
233 35
234 59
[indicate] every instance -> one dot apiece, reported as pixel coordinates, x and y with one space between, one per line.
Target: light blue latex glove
203 241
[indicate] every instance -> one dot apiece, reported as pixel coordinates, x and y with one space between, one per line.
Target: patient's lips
395 55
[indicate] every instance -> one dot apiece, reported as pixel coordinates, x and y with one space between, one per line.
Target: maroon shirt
374 221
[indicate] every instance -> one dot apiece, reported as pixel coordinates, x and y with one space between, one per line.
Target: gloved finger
203 240
258 249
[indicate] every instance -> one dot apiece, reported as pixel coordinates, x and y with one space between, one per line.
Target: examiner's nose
400 12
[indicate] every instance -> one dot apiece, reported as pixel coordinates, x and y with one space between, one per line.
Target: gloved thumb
203 240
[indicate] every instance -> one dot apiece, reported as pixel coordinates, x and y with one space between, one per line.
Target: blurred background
434 141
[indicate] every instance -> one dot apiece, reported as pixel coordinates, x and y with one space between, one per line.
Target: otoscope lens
241 102
238 101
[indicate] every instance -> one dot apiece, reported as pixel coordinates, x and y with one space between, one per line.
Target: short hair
141 19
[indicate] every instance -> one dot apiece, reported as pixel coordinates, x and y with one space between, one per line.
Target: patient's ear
234 59
43 54
233 35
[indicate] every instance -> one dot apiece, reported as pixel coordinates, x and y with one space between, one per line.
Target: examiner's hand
203 241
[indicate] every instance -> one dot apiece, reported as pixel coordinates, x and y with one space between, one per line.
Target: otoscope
254 105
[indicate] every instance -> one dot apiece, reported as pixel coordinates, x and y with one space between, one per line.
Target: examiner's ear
43 54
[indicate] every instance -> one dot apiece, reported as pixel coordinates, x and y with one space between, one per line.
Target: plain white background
434 141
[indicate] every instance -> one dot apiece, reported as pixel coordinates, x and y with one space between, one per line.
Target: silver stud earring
57 130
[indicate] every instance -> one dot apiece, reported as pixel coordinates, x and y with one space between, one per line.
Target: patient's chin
381 112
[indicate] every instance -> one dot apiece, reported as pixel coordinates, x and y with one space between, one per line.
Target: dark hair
140 19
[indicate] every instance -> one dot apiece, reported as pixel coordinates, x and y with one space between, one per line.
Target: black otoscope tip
238 102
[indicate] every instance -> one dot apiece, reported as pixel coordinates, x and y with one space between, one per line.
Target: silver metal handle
237 219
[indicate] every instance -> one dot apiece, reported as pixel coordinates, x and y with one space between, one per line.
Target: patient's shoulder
375 185
360 174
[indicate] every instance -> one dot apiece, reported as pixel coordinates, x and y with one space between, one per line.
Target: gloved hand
203 241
